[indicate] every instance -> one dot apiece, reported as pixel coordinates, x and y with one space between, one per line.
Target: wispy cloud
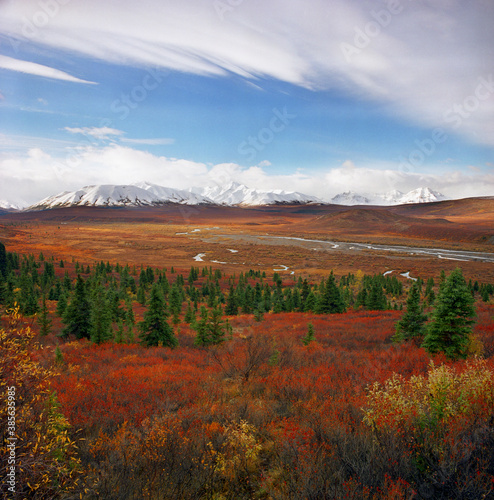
100 133
107 133
36 69
418 59
150 142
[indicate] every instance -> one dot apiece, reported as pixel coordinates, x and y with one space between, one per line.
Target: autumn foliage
288 401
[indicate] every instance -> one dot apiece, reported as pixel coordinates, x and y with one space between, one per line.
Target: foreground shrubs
444 423
35 446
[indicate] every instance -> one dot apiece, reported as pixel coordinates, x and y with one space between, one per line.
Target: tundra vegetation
139 382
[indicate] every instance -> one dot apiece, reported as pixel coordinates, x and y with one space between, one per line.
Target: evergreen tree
211 328
3 289
3 260
129 312
310 335
175 301
28 300
450 328
216 326
202 328
411 324
189 314
67 283
484 294
141 295
77 316
58 356
119 332
259 313
330 301
231 308
43 319
101 317
376 300
310 303
62 304
154 329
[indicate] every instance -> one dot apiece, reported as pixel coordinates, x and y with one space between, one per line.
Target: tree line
99 303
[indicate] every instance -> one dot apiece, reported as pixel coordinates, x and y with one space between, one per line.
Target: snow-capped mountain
108 195
395 197
8 206
146 194
350 198
422 195
238 194
170 195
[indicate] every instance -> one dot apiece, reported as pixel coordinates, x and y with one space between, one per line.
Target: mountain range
146 194
234 194
395 197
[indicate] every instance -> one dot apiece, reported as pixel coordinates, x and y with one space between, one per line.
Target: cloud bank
38 174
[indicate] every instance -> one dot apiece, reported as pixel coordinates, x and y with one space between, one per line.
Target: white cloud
418 59
164 141
38 174
96 132
37 70
110 134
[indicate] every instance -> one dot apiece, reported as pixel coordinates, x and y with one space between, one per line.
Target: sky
315 96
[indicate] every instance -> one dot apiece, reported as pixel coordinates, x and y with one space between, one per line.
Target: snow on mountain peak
394 197
145 194
7 205
350 198
422 195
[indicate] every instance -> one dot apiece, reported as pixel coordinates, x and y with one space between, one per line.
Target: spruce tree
29 298
330 301
310 335
3 260
77 316
129 312
119 332
216 326
231 308
154 328
141 295
189 314
450 329
61 304
310 303
376 300
202 328
411 324
43 319
101 317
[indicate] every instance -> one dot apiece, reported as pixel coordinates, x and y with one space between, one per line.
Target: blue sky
316 96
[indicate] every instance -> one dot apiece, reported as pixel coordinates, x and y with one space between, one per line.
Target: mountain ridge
390 198
147 194
144 194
